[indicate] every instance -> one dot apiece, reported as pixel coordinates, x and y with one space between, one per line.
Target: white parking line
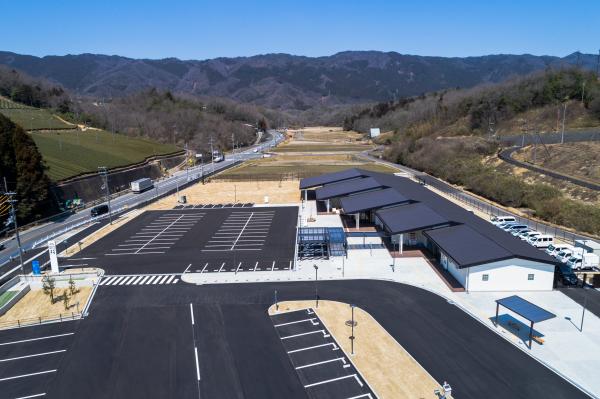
36 339
27 375
34 355
255 266
336 379
367 395
192 312
238 268
221 268
325 335
204 268
197 366
339 359
187 268
37 395
335 347
272 267
299 321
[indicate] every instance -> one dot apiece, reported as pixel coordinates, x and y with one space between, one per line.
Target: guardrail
34 321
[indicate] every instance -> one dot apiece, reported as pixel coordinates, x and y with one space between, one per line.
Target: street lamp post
276 301
352 334
104 172
13 214
316 288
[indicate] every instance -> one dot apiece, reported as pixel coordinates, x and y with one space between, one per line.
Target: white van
583 261
502 219
541 241
554 249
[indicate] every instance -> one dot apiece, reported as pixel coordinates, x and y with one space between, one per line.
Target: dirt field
223 192
326 134
36 304
390 370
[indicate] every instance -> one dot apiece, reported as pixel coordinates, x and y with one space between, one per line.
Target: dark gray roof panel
372 200
347 187
411 217
328 178
466 246
526 309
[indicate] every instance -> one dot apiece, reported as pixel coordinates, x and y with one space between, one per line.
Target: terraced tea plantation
71 152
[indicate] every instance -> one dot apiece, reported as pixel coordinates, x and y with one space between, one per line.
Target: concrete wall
507 275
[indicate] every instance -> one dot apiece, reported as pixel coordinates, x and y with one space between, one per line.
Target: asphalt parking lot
218 341
30 358
203 240
323 368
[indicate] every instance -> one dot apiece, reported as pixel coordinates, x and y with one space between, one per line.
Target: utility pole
212 155
233 145
582 91
12 201
598 66
104 172
562 136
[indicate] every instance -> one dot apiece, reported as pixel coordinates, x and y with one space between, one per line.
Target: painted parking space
140 280
215 206
322 367
211 240
30 358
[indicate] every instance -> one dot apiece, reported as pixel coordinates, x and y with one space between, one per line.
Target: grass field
34 118
71 152
315 147
7 296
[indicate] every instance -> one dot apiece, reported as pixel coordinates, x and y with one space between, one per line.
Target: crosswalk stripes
140 279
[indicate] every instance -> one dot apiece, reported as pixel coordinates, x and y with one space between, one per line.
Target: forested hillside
22 166
450 134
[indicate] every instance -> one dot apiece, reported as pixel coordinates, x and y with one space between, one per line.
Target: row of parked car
576 258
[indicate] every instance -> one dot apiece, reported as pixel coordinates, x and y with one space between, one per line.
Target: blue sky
203 29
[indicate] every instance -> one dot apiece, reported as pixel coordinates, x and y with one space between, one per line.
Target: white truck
587 260
141 185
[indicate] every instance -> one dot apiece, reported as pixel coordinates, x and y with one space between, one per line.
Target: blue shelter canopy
525 309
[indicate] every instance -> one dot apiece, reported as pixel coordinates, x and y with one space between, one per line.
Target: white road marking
36 339
169 280
339 359
367 395
238 268
335 379
221 268
273 266
325 335
192 312
197 365
37 395
187 268
255 266
27 375
335 347
204 268
313 322
175 281
151 280
144 280
34 355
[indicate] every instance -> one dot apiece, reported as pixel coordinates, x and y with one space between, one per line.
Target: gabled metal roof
328 178
347 187
466 246
372 200
410 217
526 309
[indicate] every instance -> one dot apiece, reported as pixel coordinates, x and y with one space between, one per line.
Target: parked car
541 241
582 261
506 224
564 255
554 249
515 227
99 210
526 235
515 230
567 277
497 220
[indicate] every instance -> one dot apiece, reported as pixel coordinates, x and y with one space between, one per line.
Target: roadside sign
53 258
35 267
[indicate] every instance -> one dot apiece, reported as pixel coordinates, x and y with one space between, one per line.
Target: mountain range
283 81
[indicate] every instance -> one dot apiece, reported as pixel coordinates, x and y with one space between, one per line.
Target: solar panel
328 178
526 309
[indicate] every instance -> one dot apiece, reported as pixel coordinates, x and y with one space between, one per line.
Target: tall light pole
316 288
12 201
104 172
352 334
562 136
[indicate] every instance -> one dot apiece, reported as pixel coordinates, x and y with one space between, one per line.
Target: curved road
240 355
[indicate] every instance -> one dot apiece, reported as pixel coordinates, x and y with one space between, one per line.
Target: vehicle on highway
567 277
217 156
554 249
255 150
583 261
2 246
497 220
525 235
542 241
141 185
99 210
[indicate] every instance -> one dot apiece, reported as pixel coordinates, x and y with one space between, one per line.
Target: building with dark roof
479 255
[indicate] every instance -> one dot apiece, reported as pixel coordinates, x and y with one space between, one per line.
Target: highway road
33 237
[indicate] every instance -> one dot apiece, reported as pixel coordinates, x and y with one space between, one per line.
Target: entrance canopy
525 309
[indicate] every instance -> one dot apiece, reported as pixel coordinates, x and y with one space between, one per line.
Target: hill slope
285 81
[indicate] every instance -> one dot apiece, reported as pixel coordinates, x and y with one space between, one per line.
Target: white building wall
459 274
508 275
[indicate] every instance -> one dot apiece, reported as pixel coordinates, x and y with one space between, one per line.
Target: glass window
530 277
485 277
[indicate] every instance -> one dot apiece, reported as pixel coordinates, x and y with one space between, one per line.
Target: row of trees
24 89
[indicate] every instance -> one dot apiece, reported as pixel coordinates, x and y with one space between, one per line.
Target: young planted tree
49 285
72 287
66 299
